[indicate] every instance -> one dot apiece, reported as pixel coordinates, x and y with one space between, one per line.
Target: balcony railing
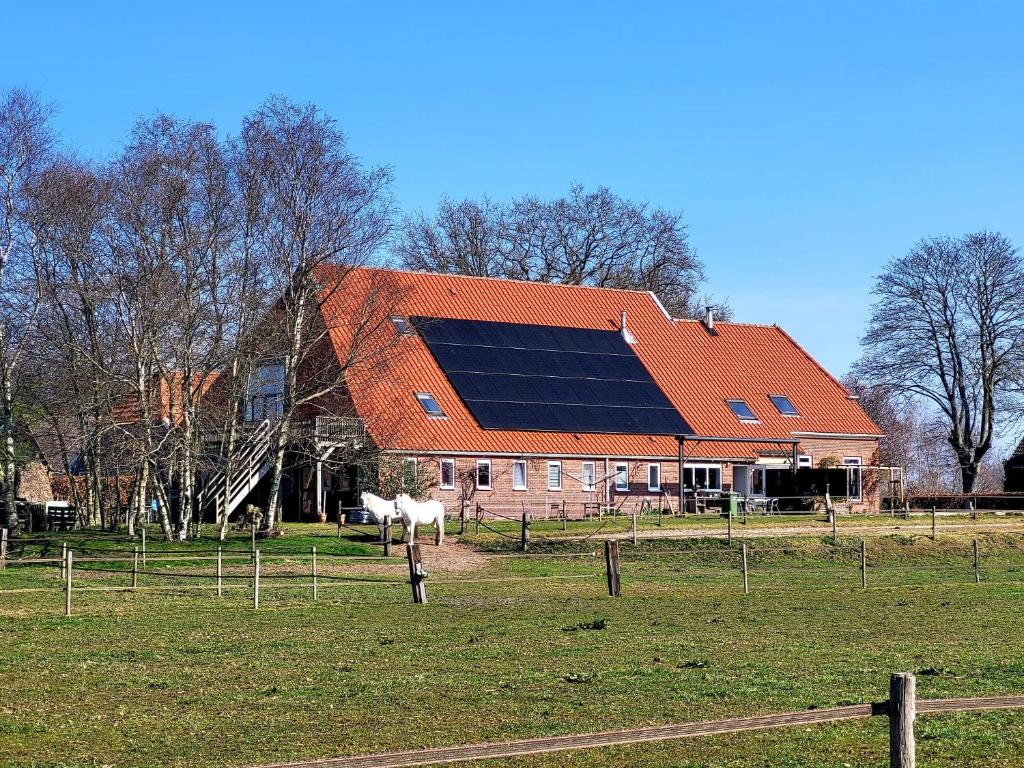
334 429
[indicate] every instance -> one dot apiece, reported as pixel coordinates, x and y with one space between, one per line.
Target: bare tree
26 147
315 206
585 238
948 329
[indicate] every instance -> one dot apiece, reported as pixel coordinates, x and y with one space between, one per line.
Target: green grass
188 680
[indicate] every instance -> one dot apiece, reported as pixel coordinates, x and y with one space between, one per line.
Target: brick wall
538 498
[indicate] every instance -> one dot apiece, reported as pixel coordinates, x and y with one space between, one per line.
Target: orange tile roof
697 371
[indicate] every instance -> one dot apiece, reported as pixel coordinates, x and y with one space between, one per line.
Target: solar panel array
549 379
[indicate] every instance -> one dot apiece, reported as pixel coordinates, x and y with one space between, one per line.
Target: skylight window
784 404
429 404
401 325
741 409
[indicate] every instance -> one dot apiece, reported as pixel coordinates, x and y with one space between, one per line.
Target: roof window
401 325
741 409
784 404
429 405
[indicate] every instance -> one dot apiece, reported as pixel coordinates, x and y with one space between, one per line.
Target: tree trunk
968 475
7 449
275 514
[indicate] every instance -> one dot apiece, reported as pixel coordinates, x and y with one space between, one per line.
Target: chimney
709 318
624 330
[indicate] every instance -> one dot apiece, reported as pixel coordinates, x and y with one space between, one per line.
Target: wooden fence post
977 563
463 517
67 583
902 712
252 547
143 546
220 571
525 535
387 535
634 529
256 579
611 564
565 517
479 512
63 558
863 564
135 568
835 534
3 547
312 566
728 512
933 523
416 574
746 576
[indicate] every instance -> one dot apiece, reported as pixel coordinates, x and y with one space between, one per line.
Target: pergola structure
683 439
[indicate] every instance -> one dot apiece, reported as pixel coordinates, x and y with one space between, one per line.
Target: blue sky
807 143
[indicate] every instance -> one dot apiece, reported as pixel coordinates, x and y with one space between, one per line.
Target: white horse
420 513
379 509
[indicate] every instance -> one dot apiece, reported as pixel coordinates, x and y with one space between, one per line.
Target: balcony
334 430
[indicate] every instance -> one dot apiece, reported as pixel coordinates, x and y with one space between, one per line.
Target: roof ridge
397 270
725 322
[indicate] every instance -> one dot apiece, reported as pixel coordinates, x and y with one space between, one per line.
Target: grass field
185 679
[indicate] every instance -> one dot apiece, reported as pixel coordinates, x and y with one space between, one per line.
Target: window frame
851 463
560 479
690 476
622 488
423 398
402 325
592 486
656 487
793 409
804 461
476 476
263 396
440 477
526 475
752 418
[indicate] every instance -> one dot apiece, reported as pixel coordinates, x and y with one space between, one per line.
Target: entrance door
741 478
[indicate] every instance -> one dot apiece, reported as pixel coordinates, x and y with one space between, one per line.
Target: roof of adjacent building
698 371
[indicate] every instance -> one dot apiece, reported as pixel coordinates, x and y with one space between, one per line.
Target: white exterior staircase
252 463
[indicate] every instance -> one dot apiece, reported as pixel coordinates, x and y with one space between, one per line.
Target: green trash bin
734 503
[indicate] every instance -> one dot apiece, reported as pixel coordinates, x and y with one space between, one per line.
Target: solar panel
549 379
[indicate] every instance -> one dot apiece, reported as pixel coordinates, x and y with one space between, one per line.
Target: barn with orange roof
533 396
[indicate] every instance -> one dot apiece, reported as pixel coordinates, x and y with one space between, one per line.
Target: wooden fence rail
901 709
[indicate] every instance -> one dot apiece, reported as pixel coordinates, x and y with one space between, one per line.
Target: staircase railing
250 464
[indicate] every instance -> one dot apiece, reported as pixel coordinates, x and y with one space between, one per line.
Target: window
784 404
622 477
408 474
518 475
401 325
703 477
803 460
853 477
483 474
588 476
266 393
429 405
757 481
447 474
654 477
741 409
554 475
